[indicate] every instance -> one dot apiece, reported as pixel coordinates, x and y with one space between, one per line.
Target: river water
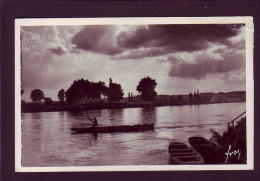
48 141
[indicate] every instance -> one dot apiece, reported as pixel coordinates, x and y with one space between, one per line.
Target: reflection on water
48 141
148 115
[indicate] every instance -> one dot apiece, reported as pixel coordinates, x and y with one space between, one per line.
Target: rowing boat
180 153
207 149
109 129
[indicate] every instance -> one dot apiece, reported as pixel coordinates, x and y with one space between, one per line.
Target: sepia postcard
134 94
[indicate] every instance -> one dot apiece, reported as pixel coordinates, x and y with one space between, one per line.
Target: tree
99 88
190 96
48 100
78 91
132 96
179 99
82 91
198 94
61 96
37 95
129 96
195 95
115 92
147 88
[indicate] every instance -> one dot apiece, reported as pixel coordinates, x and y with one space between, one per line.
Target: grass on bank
236 138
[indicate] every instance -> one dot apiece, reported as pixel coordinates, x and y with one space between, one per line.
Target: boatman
94 121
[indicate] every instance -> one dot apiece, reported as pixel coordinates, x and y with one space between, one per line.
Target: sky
181 58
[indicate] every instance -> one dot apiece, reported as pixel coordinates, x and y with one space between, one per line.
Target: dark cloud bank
156 40
177 37
98 39
102 39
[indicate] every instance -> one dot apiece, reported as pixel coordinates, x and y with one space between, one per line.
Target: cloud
98 39
141 53
234 78
137 42
204 65
58 50
178 37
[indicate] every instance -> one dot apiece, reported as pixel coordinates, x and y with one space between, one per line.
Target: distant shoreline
33 107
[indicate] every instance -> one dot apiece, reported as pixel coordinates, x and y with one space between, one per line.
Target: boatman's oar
90 120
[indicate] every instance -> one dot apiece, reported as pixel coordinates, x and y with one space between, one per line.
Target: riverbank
233 144
34 107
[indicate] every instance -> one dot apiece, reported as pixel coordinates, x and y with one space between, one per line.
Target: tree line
83 91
